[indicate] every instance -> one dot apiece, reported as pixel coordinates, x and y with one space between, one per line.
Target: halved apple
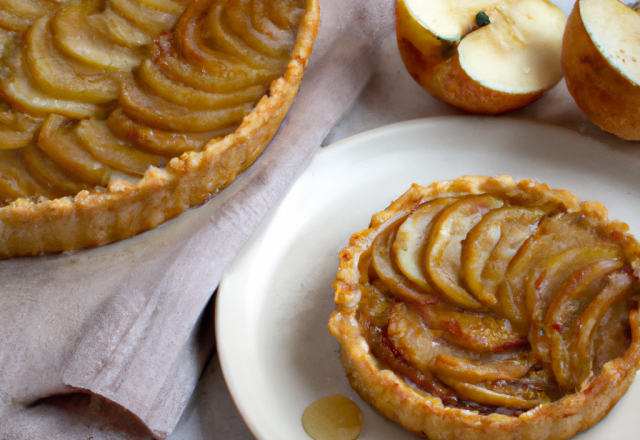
488 56
601 63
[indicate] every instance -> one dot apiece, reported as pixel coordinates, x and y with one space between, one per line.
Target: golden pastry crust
122 209
426 415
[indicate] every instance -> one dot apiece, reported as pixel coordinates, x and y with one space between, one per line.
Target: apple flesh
499 67
601 63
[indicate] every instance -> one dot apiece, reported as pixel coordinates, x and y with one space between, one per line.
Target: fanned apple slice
15 180
478 332
418 344
74 35
162 114
223 39
410 243
476 393
207 78
572 299
475 372
152 78
284 13
193 47
442 258
13 22
584 328
103 145
149 20
490 246
385 267
16 129
156 141
384 349
166 6
548 279
12 139
51 175
238 15
577 291
52 74
121 30
261 20
59 142
25 8
554 235
23 95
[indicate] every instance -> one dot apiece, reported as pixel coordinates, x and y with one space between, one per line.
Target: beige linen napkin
121 321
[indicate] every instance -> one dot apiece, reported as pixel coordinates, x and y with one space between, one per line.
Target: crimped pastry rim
425 415
93 218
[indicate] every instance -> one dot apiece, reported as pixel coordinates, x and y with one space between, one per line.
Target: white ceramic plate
274 302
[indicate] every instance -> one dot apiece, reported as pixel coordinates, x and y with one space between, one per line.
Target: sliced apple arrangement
101 98
488 56
601 63
485 306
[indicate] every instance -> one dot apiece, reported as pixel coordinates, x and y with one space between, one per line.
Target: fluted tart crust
485 308
117 115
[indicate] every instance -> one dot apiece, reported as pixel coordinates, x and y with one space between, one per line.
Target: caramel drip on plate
333 418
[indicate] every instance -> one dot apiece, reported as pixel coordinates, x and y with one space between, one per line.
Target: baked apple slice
156 141
601 63
77 38
152 78
148 19
487 56
490 246
23 94
50 174
409 246
96 138
442 258
61 77
121 30
60 143
157 112
554 235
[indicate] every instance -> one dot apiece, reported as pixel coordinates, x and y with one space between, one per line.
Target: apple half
601 63
483 56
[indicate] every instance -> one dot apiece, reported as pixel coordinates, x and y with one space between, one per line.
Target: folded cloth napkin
121 321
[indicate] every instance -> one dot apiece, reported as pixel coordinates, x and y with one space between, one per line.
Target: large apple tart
484 308
116 115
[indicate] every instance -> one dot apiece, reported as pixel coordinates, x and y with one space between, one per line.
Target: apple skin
435 65
608 98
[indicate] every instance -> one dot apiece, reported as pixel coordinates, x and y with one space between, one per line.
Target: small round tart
485 308
117 115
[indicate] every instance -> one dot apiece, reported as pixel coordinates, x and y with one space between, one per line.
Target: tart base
426 415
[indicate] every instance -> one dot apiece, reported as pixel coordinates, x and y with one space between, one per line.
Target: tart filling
487 308
116 115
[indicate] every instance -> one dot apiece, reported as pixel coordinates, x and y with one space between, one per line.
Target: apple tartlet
116 115
485 308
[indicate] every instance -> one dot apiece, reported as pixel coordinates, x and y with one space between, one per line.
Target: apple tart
116 115
485 308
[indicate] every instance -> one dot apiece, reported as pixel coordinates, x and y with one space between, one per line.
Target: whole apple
482 56
601 63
